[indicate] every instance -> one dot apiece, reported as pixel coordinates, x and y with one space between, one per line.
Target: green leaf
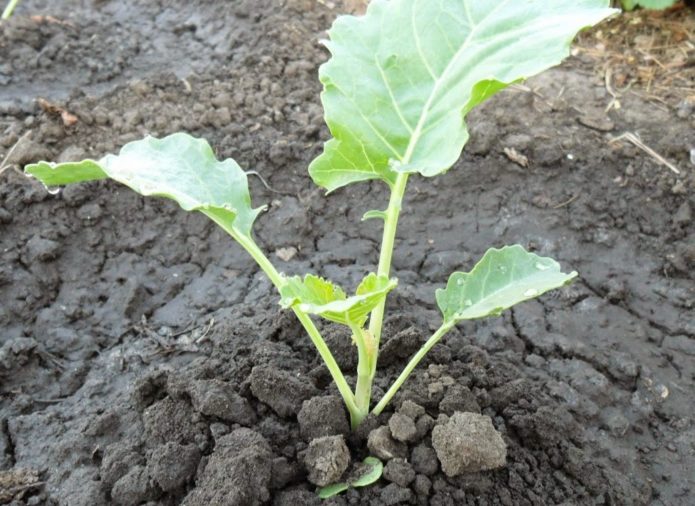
374 215
402 77
648 4
315 295
503 277
371 475
51 174
331 490
373 468
179 167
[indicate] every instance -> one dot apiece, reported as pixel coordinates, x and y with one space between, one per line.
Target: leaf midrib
414 139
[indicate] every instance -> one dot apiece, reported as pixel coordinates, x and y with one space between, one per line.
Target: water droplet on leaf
459 281
542 267
530 292
468 303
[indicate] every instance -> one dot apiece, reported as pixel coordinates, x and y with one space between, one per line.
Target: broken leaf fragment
371 472
315 295
502 278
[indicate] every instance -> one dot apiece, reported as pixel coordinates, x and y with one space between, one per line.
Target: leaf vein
374 129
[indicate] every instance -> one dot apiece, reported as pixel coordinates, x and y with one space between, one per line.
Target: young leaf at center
503 277
315 295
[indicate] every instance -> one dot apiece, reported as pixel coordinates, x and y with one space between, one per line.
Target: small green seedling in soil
9 9
396 89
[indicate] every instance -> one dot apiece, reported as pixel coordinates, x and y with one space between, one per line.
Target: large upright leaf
503 277
315 295
179 167
402 77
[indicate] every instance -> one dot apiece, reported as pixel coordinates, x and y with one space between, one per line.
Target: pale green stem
363 387
9 9
279 281
434 339
332 365
393 211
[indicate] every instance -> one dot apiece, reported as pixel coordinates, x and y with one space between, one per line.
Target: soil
144 358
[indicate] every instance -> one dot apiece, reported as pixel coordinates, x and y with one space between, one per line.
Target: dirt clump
384 446
323 416
399 471
171 465
282 391
468 443
326 460
402 427
237 472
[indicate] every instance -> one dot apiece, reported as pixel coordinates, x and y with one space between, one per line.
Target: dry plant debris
15 482
68 118
651 53
637 142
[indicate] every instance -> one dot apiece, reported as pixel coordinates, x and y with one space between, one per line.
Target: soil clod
468 443
323 416
280 390
399 471
134 488
237 472
402 427
326 460
171 465
382 445
218 399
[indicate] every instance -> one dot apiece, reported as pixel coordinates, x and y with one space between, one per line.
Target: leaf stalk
279 280
412 364
9 9
363 387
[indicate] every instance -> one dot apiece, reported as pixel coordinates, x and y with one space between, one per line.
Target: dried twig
633 139
265 183
566 202
4 166
206 332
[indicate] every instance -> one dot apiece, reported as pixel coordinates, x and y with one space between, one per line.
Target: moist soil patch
144 358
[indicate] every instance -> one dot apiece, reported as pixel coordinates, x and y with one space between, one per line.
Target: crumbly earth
127 327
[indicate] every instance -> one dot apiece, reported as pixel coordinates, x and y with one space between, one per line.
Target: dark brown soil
129 330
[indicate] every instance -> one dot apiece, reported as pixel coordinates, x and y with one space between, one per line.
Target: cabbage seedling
396 89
